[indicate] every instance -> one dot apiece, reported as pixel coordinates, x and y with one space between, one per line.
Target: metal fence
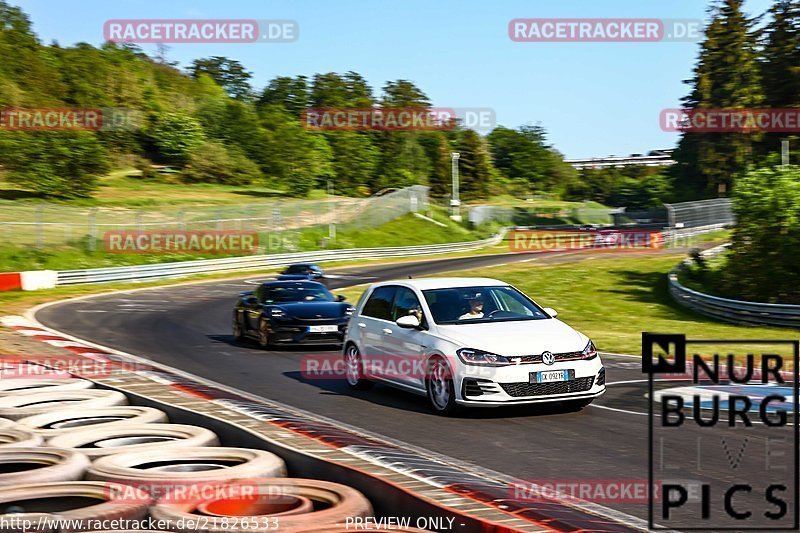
701 214
738 311
47 225
271 261
526 216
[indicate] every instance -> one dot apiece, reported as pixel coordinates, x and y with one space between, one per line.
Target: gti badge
548 358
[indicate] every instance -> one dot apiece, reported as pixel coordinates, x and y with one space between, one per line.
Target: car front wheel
440 387
238 333
264 337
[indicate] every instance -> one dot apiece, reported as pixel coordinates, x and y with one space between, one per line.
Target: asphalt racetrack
189 327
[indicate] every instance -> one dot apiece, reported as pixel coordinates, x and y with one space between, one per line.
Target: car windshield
468 305
297 269
297 293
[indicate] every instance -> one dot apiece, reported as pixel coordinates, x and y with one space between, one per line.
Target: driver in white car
475 307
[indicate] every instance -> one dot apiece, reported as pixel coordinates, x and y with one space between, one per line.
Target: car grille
601 377
566 356
547 389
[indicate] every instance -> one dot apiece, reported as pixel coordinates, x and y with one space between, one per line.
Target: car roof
424 284
290 283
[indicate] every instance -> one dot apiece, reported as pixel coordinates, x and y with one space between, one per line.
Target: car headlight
590 352
277 312
349 311
472 356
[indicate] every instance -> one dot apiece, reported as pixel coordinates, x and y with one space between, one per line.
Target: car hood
313 309
283 277
516 338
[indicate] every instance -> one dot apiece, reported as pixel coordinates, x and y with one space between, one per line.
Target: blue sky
594 99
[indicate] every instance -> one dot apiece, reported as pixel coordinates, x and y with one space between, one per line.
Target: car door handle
387 331
362 325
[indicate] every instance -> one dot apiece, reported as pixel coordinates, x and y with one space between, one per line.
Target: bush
62 164
213 162
176 136
762 264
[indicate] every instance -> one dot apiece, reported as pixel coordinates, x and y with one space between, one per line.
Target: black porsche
291 312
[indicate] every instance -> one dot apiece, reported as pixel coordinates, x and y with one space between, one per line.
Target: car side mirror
550 311
408 321
341 298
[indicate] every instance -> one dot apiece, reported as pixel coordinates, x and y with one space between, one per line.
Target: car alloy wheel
353 369
237 327
263 333
441 391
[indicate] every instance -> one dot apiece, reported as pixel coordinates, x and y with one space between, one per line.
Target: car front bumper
298 334
516 384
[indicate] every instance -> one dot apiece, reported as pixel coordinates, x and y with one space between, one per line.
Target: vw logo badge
548 358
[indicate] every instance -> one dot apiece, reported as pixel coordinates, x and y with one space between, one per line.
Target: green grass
613 300
125 188
407 230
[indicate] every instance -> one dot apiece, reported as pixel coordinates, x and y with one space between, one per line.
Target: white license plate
552 375
323 329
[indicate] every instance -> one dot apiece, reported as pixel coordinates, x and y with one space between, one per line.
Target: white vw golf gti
468 341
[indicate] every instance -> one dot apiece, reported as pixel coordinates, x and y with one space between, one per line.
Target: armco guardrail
738 311
254 262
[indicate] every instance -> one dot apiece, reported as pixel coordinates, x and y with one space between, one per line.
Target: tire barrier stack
72 456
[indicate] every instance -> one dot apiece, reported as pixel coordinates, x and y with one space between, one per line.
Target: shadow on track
386 396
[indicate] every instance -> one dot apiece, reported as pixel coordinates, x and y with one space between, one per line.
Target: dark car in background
291 312
304 271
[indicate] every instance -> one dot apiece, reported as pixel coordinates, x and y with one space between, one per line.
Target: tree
403 161
355 159
290 93
523 154
335 90
780 67
300 159
726 76
228 73
403 93
61 164
438 150
176 136
474 166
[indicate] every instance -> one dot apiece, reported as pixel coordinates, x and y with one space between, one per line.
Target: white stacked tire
18 436
19 406
13 386
40 465
274 506
75 500
6 423
65 421
188 465
97 442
